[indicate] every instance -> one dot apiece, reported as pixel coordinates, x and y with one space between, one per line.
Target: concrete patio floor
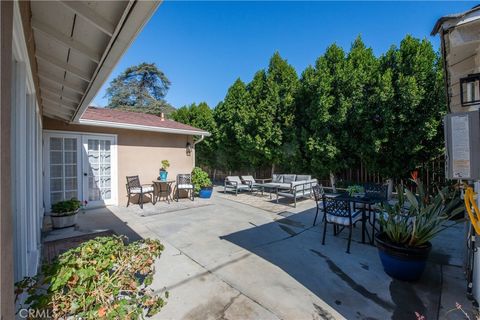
227 260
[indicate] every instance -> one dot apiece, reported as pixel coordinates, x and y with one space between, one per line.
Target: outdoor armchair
184 182
134 187
235 184
251 181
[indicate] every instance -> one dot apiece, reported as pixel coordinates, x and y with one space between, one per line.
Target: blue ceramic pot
402 263
205 193
163 175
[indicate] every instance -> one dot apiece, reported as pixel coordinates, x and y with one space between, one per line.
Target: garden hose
470 201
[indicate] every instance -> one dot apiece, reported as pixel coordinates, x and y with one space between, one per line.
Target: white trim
80 133
129 126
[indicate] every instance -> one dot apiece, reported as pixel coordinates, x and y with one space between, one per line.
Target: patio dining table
367 211
163 189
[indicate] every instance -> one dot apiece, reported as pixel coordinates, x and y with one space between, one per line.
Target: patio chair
339 213
234 183
184 182
318 193
134 187
251 181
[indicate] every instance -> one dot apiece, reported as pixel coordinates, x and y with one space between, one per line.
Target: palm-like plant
414 225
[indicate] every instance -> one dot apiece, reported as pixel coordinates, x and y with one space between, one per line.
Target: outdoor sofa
297 189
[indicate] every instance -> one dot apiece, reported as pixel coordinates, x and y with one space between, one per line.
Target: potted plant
202 183
64 213
409 225
356 190
163 170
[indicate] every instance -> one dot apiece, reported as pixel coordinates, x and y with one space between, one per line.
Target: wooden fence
432 174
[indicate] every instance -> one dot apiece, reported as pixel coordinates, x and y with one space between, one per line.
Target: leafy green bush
67 207
355 189
200 179
101 278
422 220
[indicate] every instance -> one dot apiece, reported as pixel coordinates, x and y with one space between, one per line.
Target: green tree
409 105
325 106
201 116
282 83
270 139
233 117
140 88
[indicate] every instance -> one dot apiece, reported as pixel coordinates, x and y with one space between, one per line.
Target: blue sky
204 46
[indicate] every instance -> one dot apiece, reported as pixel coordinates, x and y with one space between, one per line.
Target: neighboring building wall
139 152
6 218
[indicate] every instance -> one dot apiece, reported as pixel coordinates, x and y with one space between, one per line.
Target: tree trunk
389 188
333 182
273 168
214 174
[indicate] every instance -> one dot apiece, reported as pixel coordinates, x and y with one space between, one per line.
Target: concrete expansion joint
226 282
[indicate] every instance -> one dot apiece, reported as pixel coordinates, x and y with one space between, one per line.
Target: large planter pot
163 175
205 193
402 263
67 220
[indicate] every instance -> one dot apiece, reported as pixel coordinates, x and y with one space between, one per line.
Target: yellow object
469 202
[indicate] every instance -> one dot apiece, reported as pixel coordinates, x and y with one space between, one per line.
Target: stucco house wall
139 152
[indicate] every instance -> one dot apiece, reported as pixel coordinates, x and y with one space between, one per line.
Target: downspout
194 144
444 54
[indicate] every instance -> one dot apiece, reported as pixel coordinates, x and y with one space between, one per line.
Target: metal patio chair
134 187
339 213
184 182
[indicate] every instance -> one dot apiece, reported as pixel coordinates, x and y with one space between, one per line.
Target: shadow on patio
355 284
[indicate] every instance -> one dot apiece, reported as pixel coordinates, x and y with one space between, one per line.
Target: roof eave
460 18
138 127
134 21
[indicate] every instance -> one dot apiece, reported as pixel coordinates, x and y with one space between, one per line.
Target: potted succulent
202 183
163 170
64 213
409 225
356 190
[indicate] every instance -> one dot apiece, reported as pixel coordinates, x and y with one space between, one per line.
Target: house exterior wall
6 217
139 152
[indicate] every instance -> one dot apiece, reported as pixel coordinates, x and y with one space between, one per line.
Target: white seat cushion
185 186
145 189
345 221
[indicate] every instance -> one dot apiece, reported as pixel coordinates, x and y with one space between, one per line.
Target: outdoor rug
263 202
51 249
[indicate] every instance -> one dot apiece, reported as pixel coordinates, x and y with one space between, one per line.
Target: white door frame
81 163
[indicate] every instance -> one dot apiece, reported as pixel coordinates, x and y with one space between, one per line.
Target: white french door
98 174
79 166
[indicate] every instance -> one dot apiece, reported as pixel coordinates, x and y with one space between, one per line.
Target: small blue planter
163 175
205 193
402 263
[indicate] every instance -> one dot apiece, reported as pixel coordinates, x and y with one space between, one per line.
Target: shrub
200 179
101 278
68 206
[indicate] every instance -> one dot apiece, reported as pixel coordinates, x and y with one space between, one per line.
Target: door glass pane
63 169
99 173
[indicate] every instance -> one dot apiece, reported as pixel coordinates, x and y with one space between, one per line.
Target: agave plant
416 219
